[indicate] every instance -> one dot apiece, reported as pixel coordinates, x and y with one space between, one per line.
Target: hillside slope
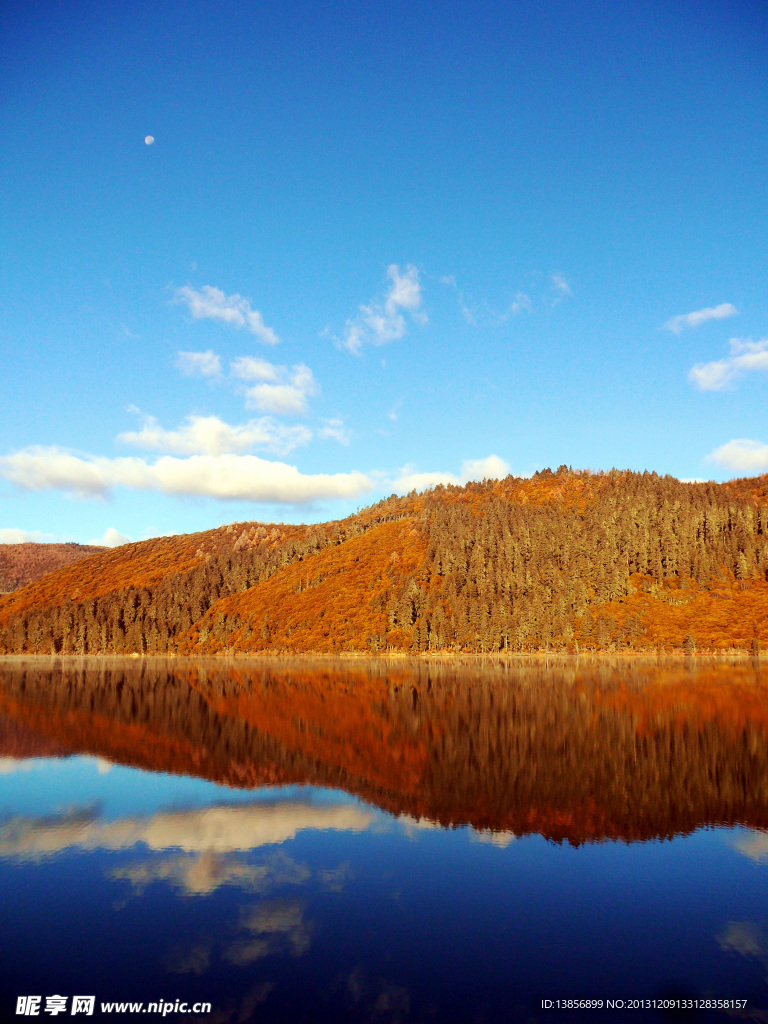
21 564
562 561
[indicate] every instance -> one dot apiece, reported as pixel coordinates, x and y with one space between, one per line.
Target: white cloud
561 286
741 456
409 480
38 468
199 364
112 538
750 355
746 356
377 323
212 304
405 292
712 376
208 435
490 316
11 535
251 368
450 281
354 338
520 304
335 430
225 477
677 324
492 467
287 398
280 390
277 390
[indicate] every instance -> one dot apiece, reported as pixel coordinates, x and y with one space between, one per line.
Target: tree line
512 565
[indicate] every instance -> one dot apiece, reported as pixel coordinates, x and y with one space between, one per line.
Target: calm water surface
383 842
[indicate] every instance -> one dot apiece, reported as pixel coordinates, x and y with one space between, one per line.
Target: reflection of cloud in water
378 998
11 765
212 829
334 879
189 960
500 839
754 846
200 875
275 927
746 938
243 1009
392 1004
413 824
412 827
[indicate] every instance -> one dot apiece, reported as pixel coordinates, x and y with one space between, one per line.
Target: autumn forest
564 561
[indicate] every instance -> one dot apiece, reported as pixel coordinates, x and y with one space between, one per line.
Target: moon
149 139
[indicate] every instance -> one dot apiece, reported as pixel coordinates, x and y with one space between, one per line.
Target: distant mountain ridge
22 564
565 560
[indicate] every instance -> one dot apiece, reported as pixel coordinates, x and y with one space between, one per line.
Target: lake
384 841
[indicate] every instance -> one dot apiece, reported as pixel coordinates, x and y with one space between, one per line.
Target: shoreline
737 655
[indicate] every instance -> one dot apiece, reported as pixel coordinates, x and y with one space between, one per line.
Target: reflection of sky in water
298 903
753 845
83 781
217 829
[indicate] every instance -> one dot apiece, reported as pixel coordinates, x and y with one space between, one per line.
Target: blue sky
371 247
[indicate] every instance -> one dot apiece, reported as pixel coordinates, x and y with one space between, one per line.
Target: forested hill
21 564
562 561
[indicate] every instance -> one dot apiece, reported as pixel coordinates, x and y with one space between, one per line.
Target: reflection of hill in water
17 741
572 752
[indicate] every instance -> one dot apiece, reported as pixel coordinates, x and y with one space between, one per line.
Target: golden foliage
140 565
323 604
564 561
21 564
729 614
